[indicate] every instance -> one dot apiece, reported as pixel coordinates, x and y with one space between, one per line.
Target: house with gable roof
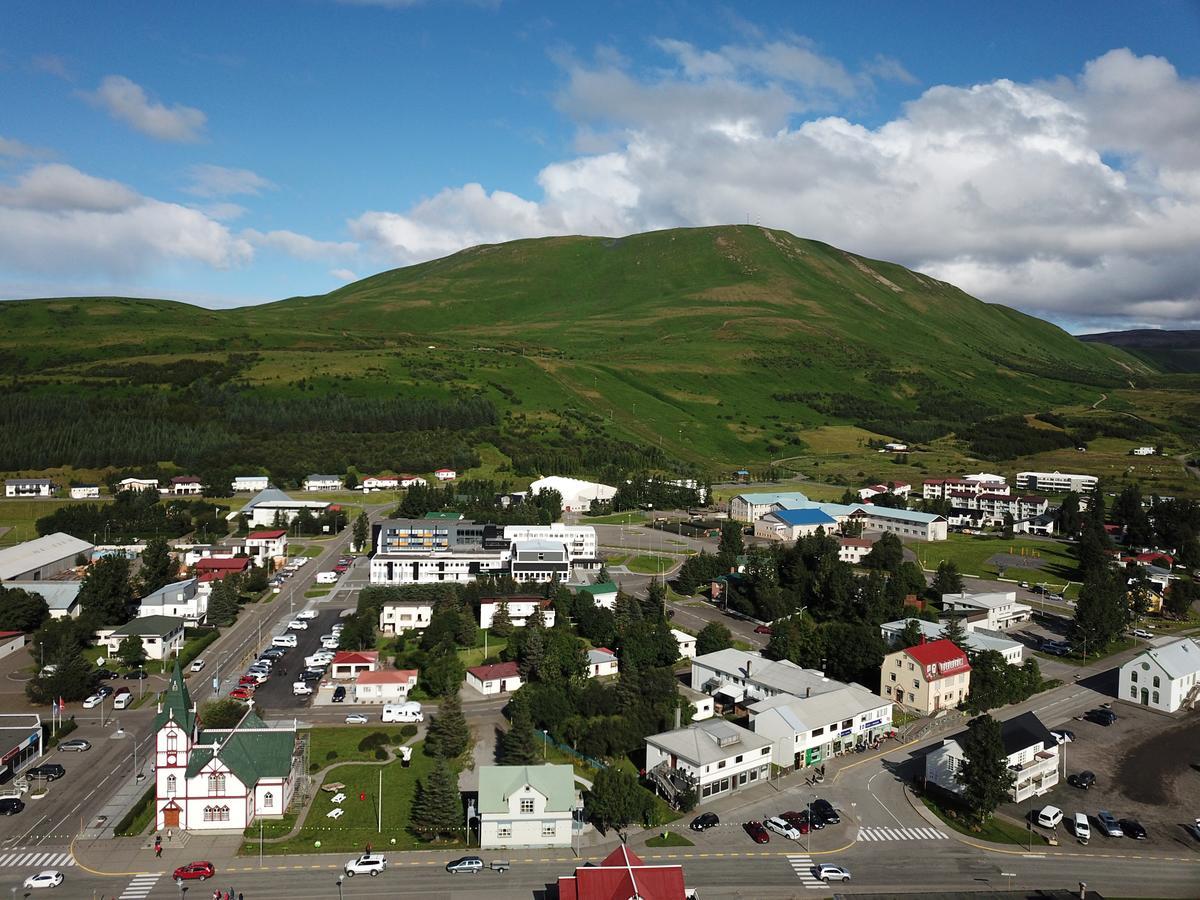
219 779
622 874
526 806
1165 677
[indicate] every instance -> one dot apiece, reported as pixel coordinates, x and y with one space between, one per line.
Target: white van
1083 831
403 712
122 698
283 640
327 577
1049 817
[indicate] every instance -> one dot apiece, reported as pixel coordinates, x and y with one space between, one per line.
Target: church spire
176 703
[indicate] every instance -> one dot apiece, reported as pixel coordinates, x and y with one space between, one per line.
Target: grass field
996 830
1045 560
621 518
669 839
343 742
651 564
20 518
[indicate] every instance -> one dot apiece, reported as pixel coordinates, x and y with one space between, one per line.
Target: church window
216 785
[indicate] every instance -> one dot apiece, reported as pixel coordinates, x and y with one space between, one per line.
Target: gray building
42 558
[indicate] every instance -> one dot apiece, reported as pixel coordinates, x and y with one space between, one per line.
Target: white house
399 616
271 506
250 483
526 806
137 484
85 492
902 522
181 600
1164 678
1143 451
353 663
445 474
686 642
62 597
716 756
270 544
1003 610
603 593
852 550
577 495
219 780
1031 750
976 640
323 483
807 730
741 675
373 483
407 481
752 507
496 678
898 488
186 485
1056 482
162 636
702 704
385 685
601 662
520 609
28 487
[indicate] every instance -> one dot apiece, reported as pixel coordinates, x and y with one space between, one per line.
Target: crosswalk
803 866
901 834
141 886
39 859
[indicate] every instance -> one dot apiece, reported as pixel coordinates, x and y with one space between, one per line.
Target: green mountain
718 345
1168 351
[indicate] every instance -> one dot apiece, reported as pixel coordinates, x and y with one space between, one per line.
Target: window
849 723
549 829
170 784
893 674
721 764
737 759
172 739
216 785
268 800
916 684
527 806
1154 697
1133 691
504 831
216 814
817 732
887 691
1157 682
1133 676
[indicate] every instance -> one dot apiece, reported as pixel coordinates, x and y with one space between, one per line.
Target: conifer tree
448 734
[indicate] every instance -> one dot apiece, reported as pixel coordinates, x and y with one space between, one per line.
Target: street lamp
545 741
808 835
341 878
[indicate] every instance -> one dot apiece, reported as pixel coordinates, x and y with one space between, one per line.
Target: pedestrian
158 850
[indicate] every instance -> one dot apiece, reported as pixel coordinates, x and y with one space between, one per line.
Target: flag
61 706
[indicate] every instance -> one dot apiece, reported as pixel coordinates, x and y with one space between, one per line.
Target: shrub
380 753
332 754
408 731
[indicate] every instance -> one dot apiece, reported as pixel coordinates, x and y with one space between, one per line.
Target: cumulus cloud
58 220
127 101
343 275
1074 198
300 246
14 148
219 181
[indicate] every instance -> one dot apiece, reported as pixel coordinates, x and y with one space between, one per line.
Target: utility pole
379 811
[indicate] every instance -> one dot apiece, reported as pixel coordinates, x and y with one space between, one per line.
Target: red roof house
222 565
272 535
497 678
352 663
622 875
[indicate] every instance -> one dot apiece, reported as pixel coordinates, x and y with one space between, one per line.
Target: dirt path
1103 397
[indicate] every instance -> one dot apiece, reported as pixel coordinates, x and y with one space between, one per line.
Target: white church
219 779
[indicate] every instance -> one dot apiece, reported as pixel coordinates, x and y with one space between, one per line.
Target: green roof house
526 806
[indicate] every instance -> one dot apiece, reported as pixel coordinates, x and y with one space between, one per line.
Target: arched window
1157 683
1156 696
216 785
172 738
209 813
170 784
224 813
1133 677
268 800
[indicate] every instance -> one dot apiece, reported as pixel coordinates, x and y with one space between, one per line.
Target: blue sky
1041 155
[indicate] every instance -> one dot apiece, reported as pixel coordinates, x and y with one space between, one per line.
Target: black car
705 821
1103 717
310 675
49 771
339 693
137 674
104 690
823 810
1083 780
1133 828
105 673
10 806
272 653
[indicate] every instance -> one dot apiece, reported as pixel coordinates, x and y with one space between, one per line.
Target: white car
307 614
330 643
47 879
367 864
297 625
828 872
198 665
301 689
1143 634
284 640
91 701
356 719
782 828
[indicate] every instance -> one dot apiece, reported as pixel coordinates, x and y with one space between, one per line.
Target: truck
327 577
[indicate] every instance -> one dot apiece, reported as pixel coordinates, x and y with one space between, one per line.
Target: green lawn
669 839
474 656
629 517
315 592
343 742
20 517
650 564
358 827
1050 560
996 830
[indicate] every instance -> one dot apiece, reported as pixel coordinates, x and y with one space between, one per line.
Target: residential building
323 483
181 600
137 484
42 558
496 678
353 663
686 642
1031 751
1143 451
715 756
703 706
577 495
445 474
526 806
85 492
520 609
897 488
222 566
28 487
186 485
902 522
20 743
941 488
270 544
579 540
436 566
792 524
250 483
1002 609
930 676
806 730
407 481
162 636
742 675
219 779
994 507
11 642
1043 525
373 483
853 550
385 685
540 561
603 593
272 507
1165 678
895 447
601 662
399 616
623 876
752 507
62 597
977 640
1056 482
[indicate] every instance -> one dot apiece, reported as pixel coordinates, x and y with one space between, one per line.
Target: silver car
828 872
1108 824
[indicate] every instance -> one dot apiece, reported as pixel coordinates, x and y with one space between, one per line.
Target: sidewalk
135 855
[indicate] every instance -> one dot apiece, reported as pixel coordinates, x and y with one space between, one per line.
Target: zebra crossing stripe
919 833
802 866
140 887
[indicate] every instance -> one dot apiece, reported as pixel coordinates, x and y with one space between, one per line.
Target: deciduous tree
985 775
713 637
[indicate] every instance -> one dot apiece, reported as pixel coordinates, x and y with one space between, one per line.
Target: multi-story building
266 545
399 616
1000 607
977 640
941 488
852 550
745 676
250 483
520 610
1031 752
182 599
994 507
322 483
579 540
716 756
752 507
902 522
806 730
541 561
526 806
930 676
1056 482
793 524
186 485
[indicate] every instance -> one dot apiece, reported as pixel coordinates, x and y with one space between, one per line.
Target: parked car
1049 816
1109 825
50 878
1082 780
356 719
1143 633
367 864
783 828
823 810
198 665
762 629
1063 736
242 692
307 614
1133 828
104 690
137 674
49 771
272 653
1083 831
757 832
92 701
284 640
705 821
471 864
339 693
75 745
330 643
194 871
254 678
799 821
297 625
105 673
828 872
301 689
10 806
1101 716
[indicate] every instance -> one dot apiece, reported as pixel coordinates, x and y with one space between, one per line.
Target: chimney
922 639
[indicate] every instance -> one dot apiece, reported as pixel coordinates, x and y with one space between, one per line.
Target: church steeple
176 703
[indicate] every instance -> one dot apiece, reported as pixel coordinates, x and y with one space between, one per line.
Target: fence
589 761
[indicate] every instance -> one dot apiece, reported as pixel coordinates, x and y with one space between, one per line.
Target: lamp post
808 836
545 740
341 878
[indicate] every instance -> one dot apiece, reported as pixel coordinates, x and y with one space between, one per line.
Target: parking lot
275 694
1145 767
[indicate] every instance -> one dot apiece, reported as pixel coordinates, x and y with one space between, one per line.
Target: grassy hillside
721 346
1168 351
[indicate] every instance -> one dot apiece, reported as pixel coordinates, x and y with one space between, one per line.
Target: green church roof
176 703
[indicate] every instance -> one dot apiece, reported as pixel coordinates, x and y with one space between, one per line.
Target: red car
197 871
241 693
798 820
762 629
757 832
247 679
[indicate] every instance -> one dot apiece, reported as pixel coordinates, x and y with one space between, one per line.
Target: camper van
403 712
122 698
327 577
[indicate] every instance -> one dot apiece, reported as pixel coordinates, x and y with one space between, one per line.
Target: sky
1044 156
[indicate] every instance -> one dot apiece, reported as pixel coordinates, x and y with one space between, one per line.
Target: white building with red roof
186 485
407 481
354 663
380 483
269 544
222 566
496 678
622 875
445 474
385 685
932 675
853 549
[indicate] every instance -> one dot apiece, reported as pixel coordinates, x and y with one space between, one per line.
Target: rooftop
803 517
355 657
273 534
600 656
778 675
554 782
623 876
600 587
990 600
59 595
149 626
494 671
975 640
709 741
1019 733
167 592
941 652
39 552
766 499
807 713
389 676
1178 658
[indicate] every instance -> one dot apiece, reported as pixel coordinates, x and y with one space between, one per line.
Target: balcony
1035 777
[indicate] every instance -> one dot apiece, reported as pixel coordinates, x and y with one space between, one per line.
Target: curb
82 865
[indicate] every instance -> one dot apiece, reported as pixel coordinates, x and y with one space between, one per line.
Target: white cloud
127 101
219 181
1006 189
51 64
300 246
343 275
55 219
14 148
